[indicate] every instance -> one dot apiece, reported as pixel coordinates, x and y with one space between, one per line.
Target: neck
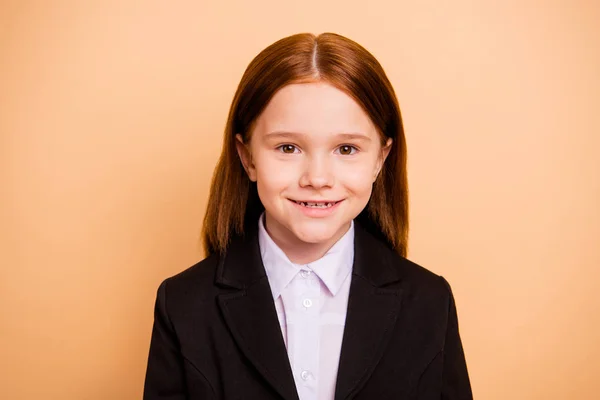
296 250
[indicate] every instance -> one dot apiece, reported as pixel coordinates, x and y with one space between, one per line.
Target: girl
305 292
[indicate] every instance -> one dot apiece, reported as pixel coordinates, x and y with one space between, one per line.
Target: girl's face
314 154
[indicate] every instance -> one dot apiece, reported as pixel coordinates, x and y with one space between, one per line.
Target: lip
316 201
316 212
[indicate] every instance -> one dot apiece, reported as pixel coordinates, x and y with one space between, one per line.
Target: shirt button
305 375
304 273
307 303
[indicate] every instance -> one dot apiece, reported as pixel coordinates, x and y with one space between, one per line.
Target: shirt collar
333 268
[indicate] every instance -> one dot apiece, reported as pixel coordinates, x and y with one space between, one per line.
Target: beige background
111 115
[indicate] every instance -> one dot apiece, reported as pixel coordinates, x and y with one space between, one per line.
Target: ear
246 156
385 151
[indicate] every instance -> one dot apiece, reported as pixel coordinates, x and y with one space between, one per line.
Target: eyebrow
341 135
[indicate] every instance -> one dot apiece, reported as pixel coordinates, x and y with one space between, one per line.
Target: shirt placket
305 363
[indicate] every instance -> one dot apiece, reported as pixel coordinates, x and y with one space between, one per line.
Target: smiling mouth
319 204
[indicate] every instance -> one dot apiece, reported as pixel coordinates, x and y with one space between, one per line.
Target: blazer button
307 303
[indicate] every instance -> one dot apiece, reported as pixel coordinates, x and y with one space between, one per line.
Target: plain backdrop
111 121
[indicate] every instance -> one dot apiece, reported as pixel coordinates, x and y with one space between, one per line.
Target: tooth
315 205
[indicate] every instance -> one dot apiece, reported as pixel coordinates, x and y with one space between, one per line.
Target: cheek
357 178
269 185
273 177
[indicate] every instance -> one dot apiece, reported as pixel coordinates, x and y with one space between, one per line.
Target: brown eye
346 150
288 148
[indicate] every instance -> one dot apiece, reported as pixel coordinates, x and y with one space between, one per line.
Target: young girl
305 292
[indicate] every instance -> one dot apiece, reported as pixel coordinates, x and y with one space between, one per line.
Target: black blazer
216 334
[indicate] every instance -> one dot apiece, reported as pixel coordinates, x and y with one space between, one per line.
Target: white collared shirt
311 302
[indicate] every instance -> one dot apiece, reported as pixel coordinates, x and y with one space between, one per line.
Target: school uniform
252 325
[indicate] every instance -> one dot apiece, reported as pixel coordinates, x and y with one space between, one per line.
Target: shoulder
202 271
193 284
424 291
377 259
417 273
420 279
372 249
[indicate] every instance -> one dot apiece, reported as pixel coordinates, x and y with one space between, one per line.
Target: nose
317 173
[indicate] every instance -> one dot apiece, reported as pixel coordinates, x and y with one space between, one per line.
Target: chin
315 234
312 238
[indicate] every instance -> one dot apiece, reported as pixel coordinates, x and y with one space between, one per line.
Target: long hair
233 201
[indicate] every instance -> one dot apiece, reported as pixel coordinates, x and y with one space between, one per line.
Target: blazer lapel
371 315
250 313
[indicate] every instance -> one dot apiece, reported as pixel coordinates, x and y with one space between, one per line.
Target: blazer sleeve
455 377
165 377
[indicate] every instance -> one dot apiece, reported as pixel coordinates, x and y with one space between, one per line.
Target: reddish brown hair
233 201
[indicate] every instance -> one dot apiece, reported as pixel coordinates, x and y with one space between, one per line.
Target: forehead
313 108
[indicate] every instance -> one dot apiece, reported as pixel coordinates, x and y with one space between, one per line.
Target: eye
347 150
287 148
